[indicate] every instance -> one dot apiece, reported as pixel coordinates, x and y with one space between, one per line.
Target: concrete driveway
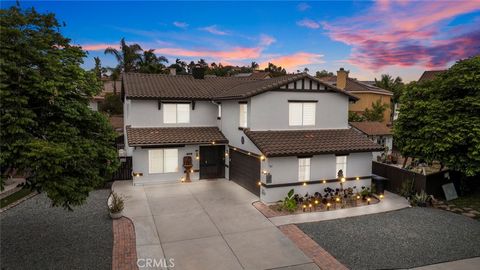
206 225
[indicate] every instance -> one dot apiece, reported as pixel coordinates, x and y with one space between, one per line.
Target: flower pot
116 215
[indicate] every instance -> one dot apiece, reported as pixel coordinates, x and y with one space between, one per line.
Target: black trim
193 105
218 118
243 102
303 83
177 102
304 156
162 146
233 148
303 101
300 183
311 82
340 155
242 128
159 104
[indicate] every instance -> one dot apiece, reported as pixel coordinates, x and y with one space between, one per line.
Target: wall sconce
259 183
137 174
357 178
262 157
324 181
226 153
213 142
196 155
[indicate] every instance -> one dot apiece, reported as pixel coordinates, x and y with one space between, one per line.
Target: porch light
196 155
262 157
213 142
235 148
264 172
249 153
226 153
259 183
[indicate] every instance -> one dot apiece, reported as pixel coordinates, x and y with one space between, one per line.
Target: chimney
198 72
173 71
342 76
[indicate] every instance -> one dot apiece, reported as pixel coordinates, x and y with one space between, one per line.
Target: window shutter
183 113
171 160
155 161
309 114
295 114
169 113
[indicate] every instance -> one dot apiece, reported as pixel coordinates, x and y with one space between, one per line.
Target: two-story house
267 135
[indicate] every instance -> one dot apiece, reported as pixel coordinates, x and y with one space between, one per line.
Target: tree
112 105
47 130
323 73
376 112
98 69
439 119
254 66
275 71
128 57
395 85
180 66
151 63
355 117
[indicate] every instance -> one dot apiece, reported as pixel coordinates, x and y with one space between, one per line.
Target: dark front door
212 162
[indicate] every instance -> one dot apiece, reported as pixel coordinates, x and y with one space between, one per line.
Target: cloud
418 34
266 40
303 6
213 29
309 24
98 47
236 53
180 24
292 61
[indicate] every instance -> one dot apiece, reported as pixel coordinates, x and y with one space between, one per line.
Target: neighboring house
267 135
254 75
366 92
377 132
429 75
94 102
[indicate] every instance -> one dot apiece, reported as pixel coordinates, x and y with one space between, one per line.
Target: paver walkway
206 225
390 202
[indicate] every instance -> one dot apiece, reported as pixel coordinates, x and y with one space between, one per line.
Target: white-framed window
219 113
304 169
163 160
243 115
341 162
175 113
301 113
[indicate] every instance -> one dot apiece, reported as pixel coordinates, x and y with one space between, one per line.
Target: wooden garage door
245 171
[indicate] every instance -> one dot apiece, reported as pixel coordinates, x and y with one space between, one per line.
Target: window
162 160
243 115
176 113
304 169
341 165
301 113
219 113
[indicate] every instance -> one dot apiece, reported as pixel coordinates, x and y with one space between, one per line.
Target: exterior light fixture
381 196
259 183
324 181
137 174
328 206
357 178
191 171
304 183
235 148
226 153
343 180
316 201
249 153
196 155
368 201
264 172
358 197
337 199
262 157
213 142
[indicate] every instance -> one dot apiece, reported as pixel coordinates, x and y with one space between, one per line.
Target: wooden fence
124 172
431 183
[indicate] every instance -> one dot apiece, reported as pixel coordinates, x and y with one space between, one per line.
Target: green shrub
289 203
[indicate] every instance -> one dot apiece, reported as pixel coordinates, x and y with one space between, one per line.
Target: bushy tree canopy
440 119
47 128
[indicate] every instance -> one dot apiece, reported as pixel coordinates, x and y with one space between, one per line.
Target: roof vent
198 72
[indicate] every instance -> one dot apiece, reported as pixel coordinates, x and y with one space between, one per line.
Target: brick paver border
265 210
124 256
320 256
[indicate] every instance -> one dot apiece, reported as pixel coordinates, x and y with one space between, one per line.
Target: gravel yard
37 236
400 239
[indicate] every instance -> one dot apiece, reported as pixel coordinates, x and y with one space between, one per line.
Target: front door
212 162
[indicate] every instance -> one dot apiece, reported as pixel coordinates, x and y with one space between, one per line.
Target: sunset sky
401 38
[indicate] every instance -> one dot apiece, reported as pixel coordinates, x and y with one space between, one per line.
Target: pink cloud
180 24
295 60
98 47
213 29
237 53
414 36
266 40
309 24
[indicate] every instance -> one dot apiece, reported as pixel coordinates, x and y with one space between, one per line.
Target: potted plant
115 205
421 199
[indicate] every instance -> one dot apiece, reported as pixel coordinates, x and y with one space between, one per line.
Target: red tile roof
139 85
311 142
372 128
429 75
174 135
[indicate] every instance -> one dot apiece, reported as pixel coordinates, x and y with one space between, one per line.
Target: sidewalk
391 202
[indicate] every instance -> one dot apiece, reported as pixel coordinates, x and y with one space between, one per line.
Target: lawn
14 197
36 235
470 201
405 238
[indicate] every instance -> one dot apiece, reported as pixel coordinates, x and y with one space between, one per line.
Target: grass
472 201
14 197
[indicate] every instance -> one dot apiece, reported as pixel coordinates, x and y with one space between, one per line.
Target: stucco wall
366 100
270 110
145 113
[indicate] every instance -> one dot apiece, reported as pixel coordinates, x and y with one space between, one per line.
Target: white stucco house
267 135
378 132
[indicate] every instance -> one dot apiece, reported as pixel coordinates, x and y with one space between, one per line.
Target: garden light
357 178
381 196
304 183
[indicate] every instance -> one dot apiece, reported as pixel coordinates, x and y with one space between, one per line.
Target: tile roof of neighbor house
254 75
354 86
372 128
429 75
311 142
145 86
174 136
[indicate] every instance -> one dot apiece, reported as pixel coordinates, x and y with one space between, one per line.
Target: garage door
245 171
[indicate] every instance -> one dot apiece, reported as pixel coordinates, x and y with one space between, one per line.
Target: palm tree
150 63
114 77
128 56
254 65
395 85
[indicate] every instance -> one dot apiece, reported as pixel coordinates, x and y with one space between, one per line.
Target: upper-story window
243 115
176 113
301 113
304 169
341 162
